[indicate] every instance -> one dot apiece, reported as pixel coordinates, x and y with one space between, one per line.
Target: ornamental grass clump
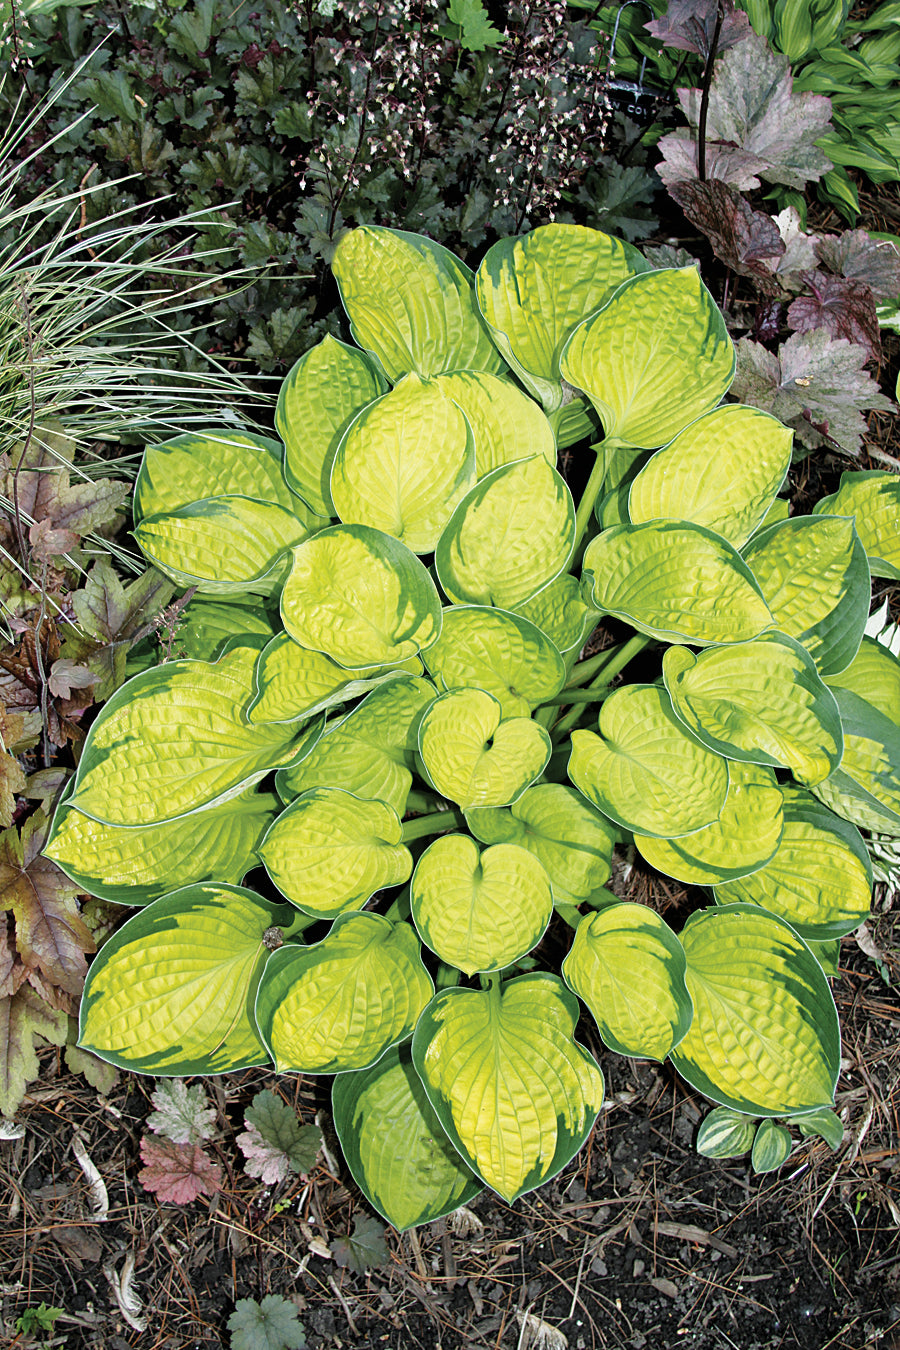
394 599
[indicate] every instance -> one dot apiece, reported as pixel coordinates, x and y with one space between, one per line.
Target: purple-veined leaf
845 309
745 239
689 25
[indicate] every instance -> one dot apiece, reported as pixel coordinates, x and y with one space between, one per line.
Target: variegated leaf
514 1091
339 1004
645 770
765 1036
628 967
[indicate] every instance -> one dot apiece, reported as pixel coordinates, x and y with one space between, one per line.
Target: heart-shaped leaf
866 787
533 291
293 682
561 611
175 739
361 597
394 1144
321 395
872 498
509 536
570 838
479 911
743 839
330 851
404 463
220 544
514 1091
499 652
820 877
645 771
501 417
656 357
131 866
765 1036
339 1004
171 992
476 757
676 582
762 702
815 577
411 303
628 966
370 752
722 471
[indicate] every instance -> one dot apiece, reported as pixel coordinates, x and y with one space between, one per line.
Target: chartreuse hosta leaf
323 392
873 674
534 291
361 597
370 752
479 911
513 1090
220 544
645 770
174 739
222 463
815 577
504 421
172 991
677 582
561 611
294 682
570 838
475 756
765 1037
339 1004
656 357
511 535
761 701
330 851
872 498
394 1144
866 787
722 471
132 866
404 463
743 839
628 967
411 303
820 877
499 652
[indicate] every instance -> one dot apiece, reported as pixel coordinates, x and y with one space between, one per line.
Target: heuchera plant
444 786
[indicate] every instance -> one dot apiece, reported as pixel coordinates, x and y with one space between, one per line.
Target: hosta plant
386 706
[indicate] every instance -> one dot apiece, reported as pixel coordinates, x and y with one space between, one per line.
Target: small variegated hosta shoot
386 705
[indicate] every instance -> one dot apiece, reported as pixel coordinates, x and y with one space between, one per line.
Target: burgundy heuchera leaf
752 105
858 257
742 237
51 935
846 309
177 1173
689 25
